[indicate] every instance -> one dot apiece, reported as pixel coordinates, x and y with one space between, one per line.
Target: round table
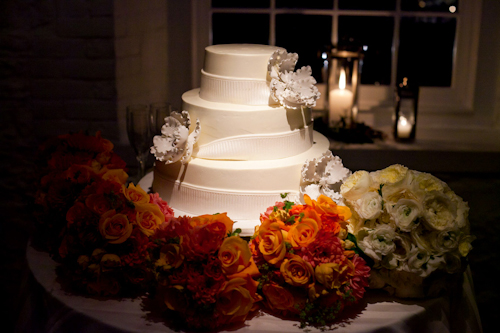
377 312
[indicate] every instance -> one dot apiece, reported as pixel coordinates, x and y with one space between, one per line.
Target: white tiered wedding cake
252 135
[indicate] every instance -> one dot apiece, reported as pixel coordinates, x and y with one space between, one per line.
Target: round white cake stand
375 313
247 226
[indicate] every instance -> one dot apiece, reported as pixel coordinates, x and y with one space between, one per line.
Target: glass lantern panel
310 4
240 4
450 6
306 35
230 28
426 50
367 4
375 43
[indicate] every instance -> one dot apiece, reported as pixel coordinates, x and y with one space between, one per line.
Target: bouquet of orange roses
309 263
205 272
67 165
106 243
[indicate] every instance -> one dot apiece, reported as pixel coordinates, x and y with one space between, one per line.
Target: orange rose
208 219
236 299
279 298
304 232
326 206
334 275
234 255
115 175
170 256
97 203
272 243
135 194
296 271
114 227
149 218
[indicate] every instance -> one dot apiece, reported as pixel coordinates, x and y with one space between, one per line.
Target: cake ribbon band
216 200
215 88
257 147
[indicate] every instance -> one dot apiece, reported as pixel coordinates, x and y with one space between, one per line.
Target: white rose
377 242
445 241
392 174
439 212
405 214
369 206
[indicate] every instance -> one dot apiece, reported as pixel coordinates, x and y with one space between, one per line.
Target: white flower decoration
175 143
291 89
323 175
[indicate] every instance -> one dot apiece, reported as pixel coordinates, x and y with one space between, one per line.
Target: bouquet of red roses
67 165
205 272
107 242
309 263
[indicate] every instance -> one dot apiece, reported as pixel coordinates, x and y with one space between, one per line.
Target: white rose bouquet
413 227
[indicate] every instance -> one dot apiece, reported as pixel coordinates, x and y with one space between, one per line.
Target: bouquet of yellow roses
309 263
205 272
412 225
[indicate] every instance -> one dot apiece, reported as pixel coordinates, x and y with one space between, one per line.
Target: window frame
456 99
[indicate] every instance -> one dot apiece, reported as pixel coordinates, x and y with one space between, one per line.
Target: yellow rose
170 256
149 218
115 175
135 194
334 275
114 227
272 242
296 271
236 299
234 255
303 233
175 299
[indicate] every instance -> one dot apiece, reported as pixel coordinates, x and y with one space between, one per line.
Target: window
433 41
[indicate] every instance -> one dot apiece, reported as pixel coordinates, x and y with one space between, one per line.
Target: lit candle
339 100
404 128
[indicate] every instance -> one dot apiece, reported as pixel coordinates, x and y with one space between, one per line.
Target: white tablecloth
53 309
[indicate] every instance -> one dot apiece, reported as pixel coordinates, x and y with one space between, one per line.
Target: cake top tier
244 61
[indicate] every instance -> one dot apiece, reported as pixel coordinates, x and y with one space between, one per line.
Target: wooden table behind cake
377 313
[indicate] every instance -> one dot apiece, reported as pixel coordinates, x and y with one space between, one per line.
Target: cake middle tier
243 189
245 132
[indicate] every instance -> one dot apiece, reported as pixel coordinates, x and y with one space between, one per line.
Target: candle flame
342 79
403 121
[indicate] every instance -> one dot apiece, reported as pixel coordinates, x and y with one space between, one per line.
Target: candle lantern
343 83
405 116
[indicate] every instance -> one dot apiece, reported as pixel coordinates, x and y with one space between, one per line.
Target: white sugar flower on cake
175 143
323 175
291 89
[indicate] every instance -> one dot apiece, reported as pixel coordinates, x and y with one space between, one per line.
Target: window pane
426 50
240 4
430 5
375 41
368 4
233 28
310 4
306 35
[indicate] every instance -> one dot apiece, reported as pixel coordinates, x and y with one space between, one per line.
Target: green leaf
283 195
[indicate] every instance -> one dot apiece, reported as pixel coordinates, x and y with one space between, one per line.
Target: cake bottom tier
242 189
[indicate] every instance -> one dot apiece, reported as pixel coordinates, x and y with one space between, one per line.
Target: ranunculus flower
279 298
405 214
334 275
234 254
369 206
135 194
272 243
236 299
114 227
297 272
170 256
422 263
149 218
377 242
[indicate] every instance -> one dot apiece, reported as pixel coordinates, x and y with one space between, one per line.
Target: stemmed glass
159 111
139 133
